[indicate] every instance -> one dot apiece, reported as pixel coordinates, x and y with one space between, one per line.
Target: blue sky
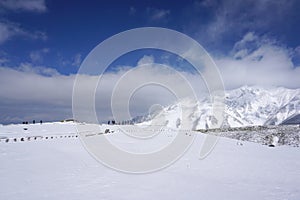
48 40
59 34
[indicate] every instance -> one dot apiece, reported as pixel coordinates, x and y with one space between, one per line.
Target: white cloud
3 61
268 64
28 68
24 5
249 37
146 60
37 56
42 93
34 92
297 51
77 60
72 61
158 14
231 18
9 30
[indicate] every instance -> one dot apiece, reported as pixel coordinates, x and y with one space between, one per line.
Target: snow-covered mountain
245 106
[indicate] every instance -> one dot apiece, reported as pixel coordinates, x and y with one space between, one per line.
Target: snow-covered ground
61 168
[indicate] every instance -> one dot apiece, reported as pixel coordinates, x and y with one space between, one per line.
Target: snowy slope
243 107
294 119
63 169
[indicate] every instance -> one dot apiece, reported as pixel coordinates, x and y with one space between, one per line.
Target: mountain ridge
244 106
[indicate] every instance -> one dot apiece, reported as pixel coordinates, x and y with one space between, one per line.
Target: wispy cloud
132 10
77 60
230 19
24 5
73 61
9 30
3 61
156 14
37 55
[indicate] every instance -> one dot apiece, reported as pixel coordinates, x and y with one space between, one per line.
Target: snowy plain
61 168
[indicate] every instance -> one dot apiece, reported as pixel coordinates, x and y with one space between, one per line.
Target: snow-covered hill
61 168
245 106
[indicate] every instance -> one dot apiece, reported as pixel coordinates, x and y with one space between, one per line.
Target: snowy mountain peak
245 106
